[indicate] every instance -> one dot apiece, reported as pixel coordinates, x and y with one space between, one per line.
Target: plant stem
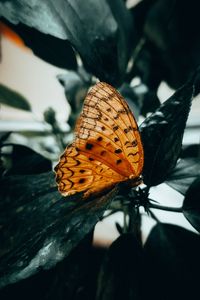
125 221
167 208
135 223
153 216
59 140
111 213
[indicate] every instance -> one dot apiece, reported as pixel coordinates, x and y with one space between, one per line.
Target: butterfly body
107 148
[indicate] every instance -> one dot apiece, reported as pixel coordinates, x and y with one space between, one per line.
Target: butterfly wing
77 173
106 139
108 131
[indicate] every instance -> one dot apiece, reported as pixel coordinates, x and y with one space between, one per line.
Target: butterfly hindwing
78 173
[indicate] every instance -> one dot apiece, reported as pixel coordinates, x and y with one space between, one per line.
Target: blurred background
51 53
37 81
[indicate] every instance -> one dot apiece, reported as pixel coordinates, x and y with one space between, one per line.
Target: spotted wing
77 173
107 148
107 131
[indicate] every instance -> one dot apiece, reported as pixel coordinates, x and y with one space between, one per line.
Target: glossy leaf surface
39 228
162 134
172 260
98 30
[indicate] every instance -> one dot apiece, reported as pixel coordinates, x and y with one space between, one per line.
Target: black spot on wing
89 146
118 151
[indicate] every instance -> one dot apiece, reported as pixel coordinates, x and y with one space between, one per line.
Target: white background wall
35 79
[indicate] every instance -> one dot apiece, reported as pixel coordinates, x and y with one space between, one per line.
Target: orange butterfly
107 148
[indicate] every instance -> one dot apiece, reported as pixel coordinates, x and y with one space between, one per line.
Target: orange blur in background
11 35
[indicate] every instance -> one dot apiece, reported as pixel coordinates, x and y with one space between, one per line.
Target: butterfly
107 147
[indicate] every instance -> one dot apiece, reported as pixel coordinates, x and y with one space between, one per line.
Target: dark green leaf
175 43
38 227
173 262
186 171
132 98
162 134
122 273
90 26
145 65
3 137
76 85
49 48
12 98
139 12
190 151
191 204
140 99
37 14
150 102
23 160
73 278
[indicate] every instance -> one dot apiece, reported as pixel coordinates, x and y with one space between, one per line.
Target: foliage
7 96
46 247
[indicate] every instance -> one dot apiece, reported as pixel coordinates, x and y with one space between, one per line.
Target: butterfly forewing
107 147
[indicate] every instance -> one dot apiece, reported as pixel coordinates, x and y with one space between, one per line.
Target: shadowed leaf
76 85
174 43
122 273
172 261
69 279
190 151
186 171
23 160
90 26
191 204
162 134
49 48
132 98
12 98
38 227
3 137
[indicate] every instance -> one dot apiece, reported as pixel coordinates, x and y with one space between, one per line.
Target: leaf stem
135 222
153 216
167 208
125 220
59 140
